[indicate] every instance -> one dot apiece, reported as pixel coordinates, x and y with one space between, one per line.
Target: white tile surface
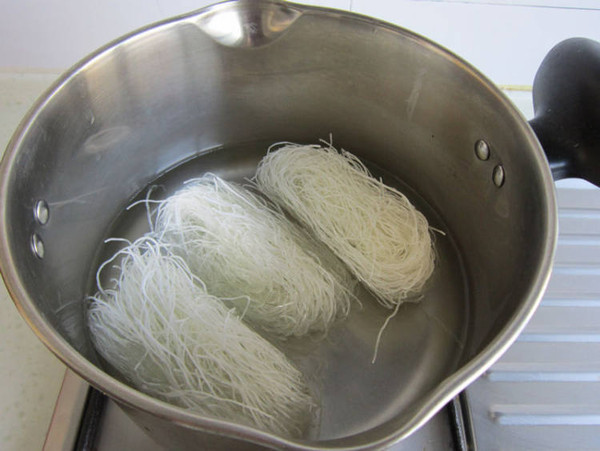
505 39
30 376
566 4
55 34
170 8
506 43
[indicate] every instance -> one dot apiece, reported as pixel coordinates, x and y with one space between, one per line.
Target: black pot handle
566 101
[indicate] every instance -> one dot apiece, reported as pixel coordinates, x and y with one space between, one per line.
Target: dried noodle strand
161 330
246 250
373 228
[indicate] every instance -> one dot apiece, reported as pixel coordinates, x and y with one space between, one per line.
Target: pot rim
130 397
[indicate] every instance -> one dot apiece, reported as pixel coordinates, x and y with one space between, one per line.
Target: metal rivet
498 176
41 212
37 246
482 150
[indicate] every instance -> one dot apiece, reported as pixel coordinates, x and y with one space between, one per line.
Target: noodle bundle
250 254
371 227
171 339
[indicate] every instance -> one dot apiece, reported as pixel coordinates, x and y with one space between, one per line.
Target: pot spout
252 23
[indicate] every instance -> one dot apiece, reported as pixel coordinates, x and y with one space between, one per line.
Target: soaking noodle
247 251
371 227
161 330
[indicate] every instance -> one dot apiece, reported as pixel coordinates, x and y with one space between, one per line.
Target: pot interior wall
174 94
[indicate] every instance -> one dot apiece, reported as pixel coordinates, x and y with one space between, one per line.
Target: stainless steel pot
209 91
